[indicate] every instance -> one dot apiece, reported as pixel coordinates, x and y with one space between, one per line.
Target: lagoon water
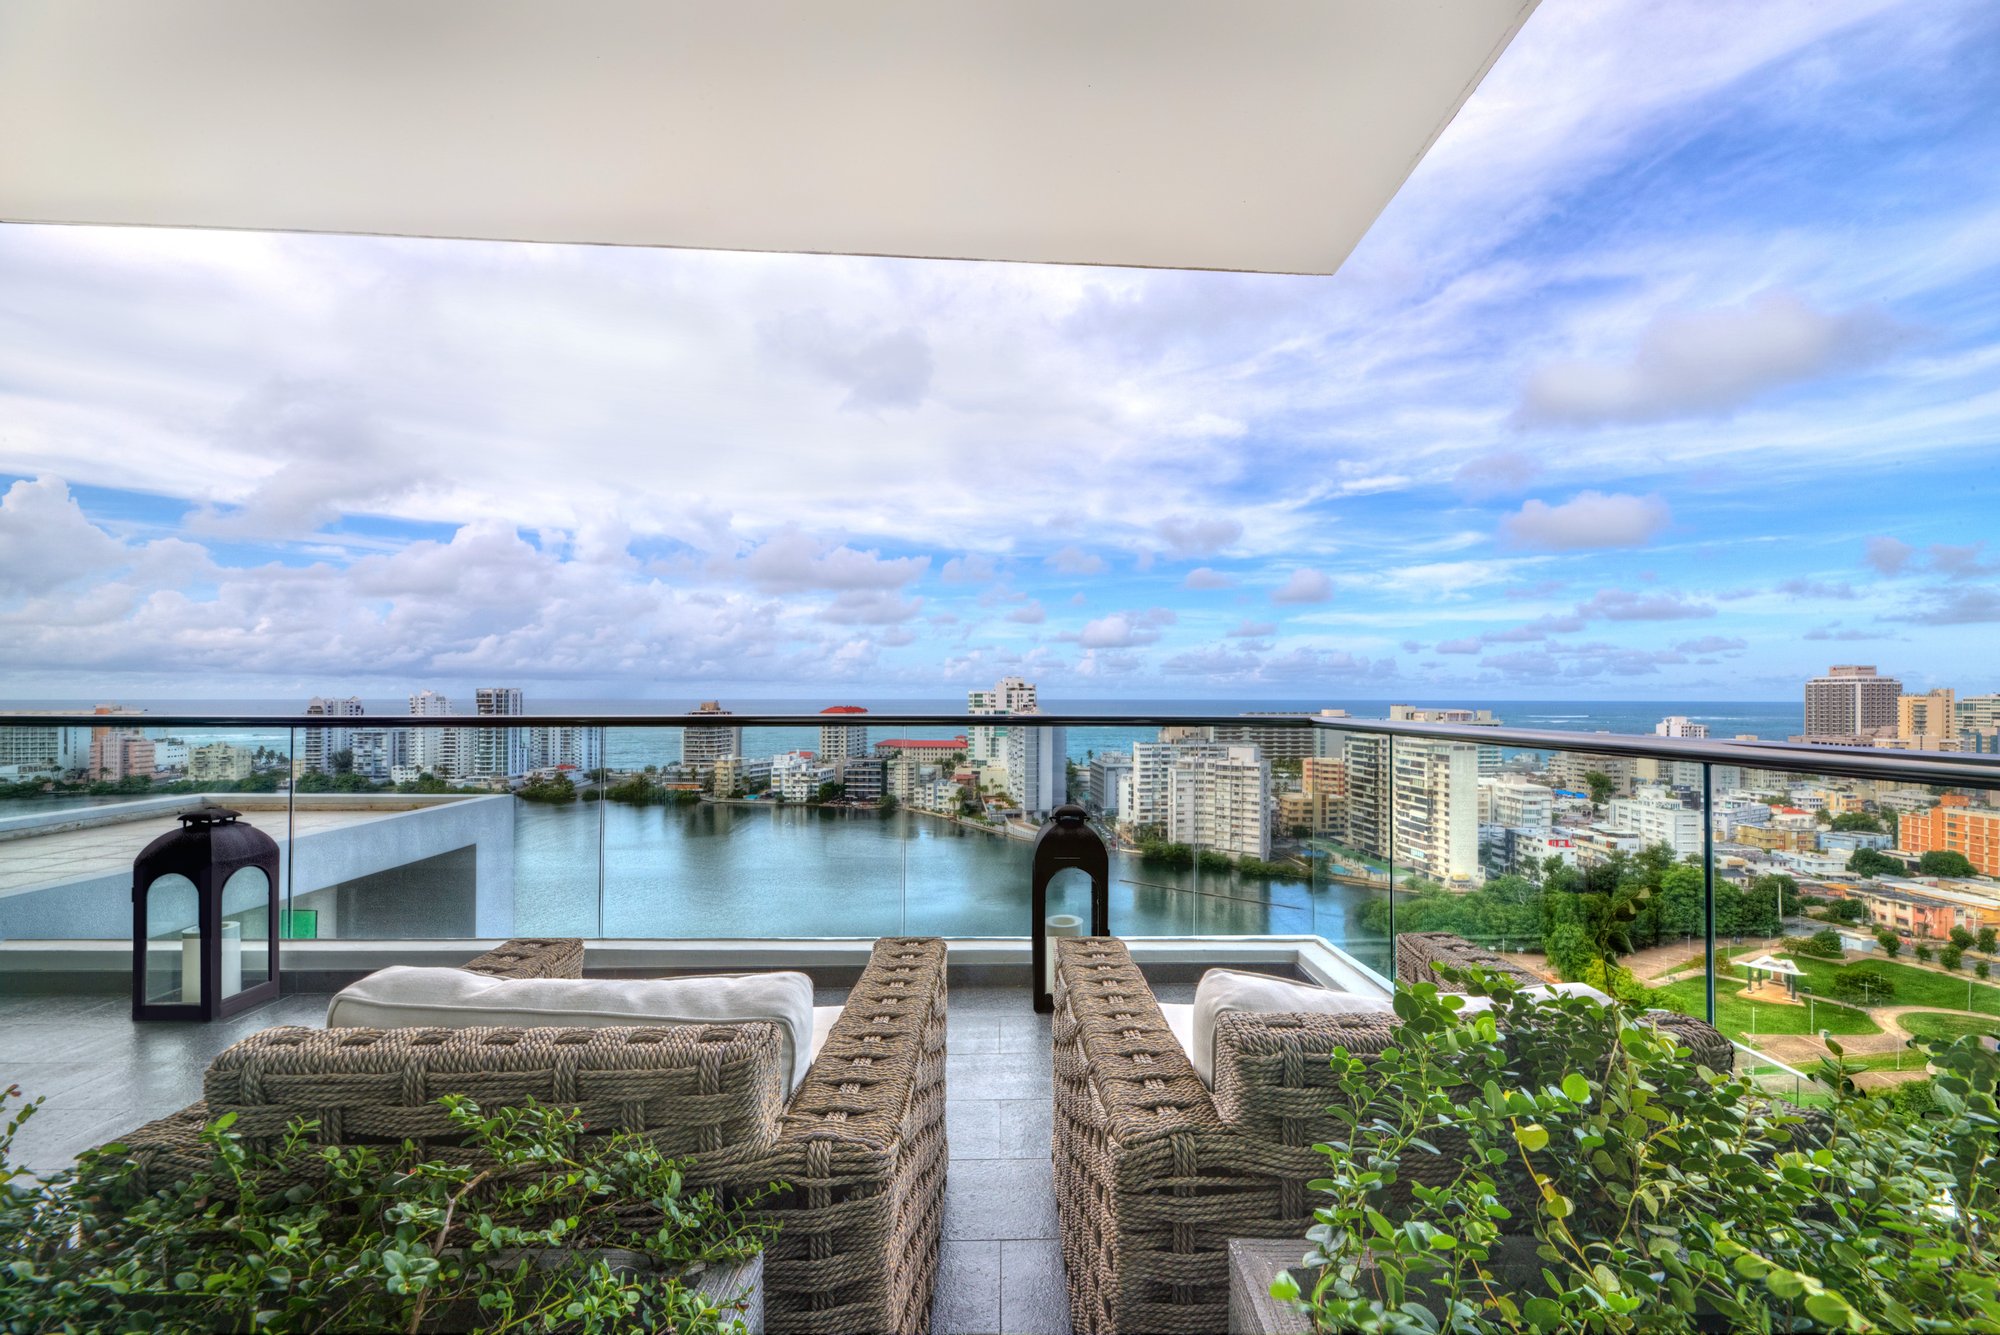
743 871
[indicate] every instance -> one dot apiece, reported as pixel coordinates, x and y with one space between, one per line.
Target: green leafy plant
533 1226
1560 1166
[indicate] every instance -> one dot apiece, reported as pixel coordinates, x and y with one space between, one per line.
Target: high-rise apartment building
1150 763
1516 804
1322 796
1956 826
120 753
565 746
704 744
1436 810
1370 794
1978 713
218 762
1108 771
1851 700
1658 819
1567 770
433 750
1490 757
1219 798
1932 714
319 745
1010 695
30 750
1037 769
842 741
1679 725
495 753
1275 741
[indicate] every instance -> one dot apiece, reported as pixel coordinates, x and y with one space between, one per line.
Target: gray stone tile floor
1000 1270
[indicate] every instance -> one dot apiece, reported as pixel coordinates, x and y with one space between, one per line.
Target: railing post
1066 841
1708 883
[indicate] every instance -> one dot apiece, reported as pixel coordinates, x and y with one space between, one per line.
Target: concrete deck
1001 1270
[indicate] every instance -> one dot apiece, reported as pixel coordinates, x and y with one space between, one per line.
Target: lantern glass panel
246 930
173 942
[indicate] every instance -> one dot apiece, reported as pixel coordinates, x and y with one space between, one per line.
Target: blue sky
1674 371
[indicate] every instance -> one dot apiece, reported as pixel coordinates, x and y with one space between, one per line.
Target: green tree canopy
1945 862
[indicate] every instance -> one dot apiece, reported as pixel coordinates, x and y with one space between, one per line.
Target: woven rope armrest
1417 951
1274 1075
531 957
862 1152
1127 1054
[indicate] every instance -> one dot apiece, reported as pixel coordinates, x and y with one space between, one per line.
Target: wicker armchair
1155 1173
861 1143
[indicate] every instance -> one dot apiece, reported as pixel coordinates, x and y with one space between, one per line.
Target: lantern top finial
209 816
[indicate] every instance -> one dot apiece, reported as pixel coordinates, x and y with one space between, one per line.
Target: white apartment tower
496 753
1659 820
1436 810
843 741
1370 809
434 750
1679 725
1219 798
1010 695
1516 804
1151 762
318 746
1850 700
703 745
1037 774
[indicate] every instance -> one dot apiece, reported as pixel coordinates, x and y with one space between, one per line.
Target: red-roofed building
919 746
840 741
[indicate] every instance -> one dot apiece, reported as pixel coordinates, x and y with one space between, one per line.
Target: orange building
1957 826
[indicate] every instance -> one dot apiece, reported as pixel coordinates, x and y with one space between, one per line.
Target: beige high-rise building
1851 700
1933 714
842 741
1437 810
702 746
1218 797
1010 695
218 762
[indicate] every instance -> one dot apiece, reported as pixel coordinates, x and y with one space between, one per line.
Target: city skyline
1667 376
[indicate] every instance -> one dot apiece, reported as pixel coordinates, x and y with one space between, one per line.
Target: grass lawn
1914 986
1947 1027
1734 1015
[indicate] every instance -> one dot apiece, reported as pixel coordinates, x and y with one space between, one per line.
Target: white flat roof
1254 135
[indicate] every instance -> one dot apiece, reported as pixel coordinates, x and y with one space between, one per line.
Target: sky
1672 372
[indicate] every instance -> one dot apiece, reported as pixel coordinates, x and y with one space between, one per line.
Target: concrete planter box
1253 1264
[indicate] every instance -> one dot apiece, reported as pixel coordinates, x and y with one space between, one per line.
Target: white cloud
1498 474
889 369
1201 577
792 561
968 570
1029 613
1304 586
1120 630
1073 560
1628 605
867 607
1889 556
1707 363
1187 536
1588 520
1252 630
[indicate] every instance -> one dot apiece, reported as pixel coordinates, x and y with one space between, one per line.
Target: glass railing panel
968 818
714 830
405 832
1862 912
1338 819
77 805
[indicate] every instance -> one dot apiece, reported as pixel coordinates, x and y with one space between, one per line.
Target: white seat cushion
1224 990
823 1018
1539 991
405 997
1180 1019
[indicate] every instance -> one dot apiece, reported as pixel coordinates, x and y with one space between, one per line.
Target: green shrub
1580 1173
1863 986
372 1238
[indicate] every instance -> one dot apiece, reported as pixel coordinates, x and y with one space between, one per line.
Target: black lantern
205 920
1066 841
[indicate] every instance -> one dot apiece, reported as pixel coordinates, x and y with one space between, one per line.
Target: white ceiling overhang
1215 134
